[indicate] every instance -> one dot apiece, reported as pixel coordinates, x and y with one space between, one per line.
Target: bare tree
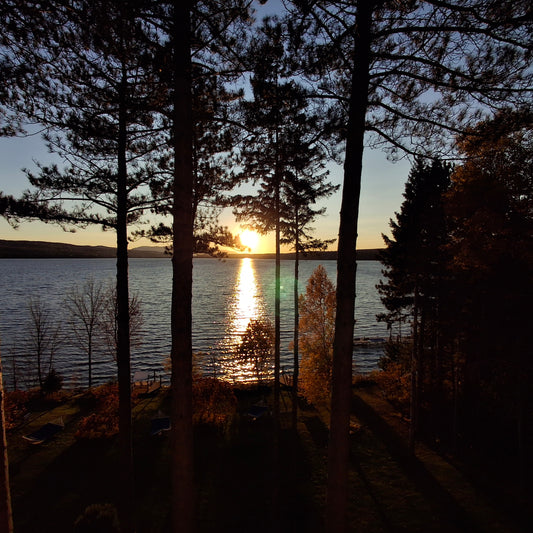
108 321
44 338
85 306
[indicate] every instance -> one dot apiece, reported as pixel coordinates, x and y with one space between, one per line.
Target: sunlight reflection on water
247 303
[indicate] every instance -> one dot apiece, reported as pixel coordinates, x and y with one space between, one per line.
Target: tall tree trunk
90 358
296 360
277 310
413 408
181 315
338 451
6 518
277 363
123 324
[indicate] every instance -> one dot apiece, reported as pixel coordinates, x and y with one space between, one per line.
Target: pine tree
92 87
415 267
209 33
282 153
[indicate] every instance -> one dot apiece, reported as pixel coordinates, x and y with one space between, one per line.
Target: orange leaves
15 407
317 326
214 402
103 422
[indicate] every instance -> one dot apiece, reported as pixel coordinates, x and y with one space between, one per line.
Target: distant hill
41 249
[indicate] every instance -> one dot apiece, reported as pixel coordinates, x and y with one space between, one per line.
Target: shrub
103 422
214 402
52 383
395 382
16 406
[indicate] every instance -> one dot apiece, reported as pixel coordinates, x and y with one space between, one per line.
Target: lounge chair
159 425
44 433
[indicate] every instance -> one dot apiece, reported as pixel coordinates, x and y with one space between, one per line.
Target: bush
395 382
16 406
104 421
52 383
214 402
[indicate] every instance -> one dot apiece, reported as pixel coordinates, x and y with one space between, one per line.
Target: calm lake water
226 295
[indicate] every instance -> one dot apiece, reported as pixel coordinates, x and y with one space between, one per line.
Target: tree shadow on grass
83 474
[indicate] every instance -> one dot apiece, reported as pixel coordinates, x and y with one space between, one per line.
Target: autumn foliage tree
490 206
257 348
317 324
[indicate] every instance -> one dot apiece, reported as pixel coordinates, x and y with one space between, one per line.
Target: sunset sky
381 196
381 193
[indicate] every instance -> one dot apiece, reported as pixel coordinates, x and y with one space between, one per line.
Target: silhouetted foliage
461 281
404 75
101 517
415 268
257 348
491 232
53 382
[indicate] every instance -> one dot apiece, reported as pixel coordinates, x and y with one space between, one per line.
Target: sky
381 195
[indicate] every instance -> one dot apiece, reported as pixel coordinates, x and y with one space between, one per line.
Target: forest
165 112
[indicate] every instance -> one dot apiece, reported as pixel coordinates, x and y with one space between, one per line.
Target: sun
250 239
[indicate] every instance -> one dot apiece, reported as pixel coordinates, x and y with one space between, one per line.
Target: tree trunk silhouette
338 450
415 352
296 355
123 324
181 316
6 518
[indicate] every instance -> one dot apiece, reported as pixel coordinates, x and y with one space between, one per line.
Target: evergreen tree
282 153
301 192
415 266
92 87
210 34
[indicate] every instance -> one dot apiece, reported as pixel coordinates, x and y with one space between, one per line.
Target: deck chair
159 425
44 433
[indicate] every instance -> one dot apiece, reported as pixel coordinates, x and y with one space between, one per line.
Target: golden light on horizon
250 239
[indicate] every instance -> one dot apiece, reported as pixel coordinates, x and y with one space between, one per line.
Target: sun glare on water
250 239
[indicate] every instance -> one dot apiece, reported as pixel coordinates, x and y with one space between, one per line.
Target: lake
226 295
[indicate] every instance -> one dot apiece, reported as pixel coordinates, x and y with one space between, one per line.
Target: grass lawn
241 486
